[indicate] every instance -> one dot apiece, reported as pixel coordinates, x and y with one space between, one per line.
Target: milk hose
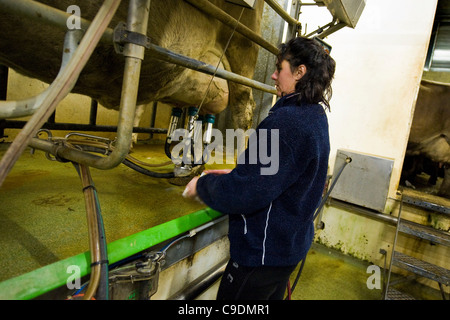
129 163
98 284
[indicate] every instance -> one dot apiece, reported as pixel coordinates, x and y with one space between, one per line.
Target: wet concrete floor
331 275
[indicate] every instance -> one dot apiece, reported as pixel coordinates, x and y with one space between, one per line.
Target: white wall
379 67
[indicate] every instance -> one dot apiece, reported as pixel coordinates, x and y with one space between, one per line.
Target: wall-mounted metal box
364 181
347 11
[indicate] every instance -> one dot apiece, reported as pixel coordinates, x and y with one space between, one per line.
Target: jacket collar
287 99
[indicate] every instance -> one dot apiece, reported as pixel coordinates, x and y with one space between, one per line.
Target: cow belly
436 148
192 88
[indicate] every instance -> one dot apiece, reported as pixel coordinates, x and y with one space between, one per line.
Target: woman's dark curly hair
315 86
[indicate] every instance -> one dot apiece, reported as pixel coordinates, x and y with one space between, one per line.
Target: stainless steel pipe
178 59
382 217
282 13
27 107
138 15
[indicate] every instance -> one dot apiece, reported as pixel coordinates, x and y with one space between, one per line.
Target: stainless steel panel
347 11
364 181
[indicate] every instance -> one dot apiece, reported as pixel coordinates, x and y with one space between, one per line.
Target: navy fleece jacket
270 216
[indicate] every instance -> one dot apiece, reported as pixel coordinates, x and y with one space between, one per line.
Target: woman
270 216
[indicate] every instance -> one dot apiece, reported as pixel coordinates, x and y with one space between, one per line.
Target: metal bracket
146 272
139 271
121 36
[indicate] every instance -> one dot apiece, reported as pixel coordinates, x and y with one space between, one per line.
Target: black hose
324 199
167 149
298 274
153 174
103 287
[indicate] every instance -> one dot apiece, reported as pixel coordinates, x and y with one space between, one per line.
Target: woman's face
284 79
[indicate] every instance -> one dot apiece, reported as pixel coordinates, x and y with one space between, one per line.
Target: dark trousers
253 283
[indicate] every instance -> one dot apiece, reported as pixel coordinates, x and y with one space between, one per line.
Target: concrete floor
331 275
43 217
42 220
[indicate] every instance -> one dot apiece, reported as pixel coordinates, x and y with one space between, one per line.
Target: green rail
37 282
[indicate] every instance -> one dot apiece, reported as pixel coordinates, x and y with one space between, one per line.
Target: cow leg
242 106
409 170
431 168
444 190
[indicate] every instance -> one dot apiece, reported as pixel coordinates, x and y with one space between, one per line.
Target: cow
430 128
35 50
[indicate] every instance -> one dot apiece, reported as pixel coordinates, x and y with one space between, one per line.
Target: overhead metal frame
46 14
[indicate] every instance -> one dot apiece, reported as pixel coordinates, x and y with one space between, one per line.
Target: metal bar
228 20
178 59
426 204
153 118
28 106
93 112
282 13
18 124
35 283
202 283
294 29
364 211
385 294
331 30
335 180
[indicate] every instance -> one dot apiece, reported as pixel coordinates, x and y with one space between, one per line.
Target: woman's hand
217 171
191 189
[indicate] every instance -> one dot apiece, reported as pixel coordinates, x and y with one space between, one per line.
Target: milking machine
194 139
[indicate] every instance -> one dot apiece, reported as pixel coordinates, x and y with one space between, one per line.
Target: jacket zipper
265 235
245 224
